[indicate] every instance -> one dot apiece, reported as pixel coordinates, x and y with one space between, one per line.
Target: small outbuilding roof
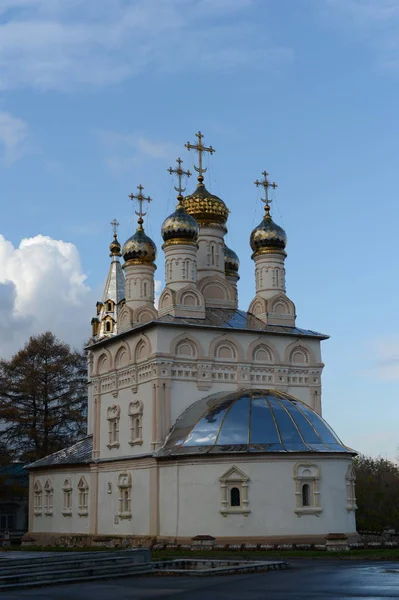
79 453
250 420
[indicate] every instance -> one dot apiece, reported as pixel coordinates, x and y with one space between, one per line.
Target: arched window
37 498
307 492
212 254
113 416
350 489
108 326
136 423
109 307
67 489
145 289
125 496
48 498
234 492
83 498
235 499
305 495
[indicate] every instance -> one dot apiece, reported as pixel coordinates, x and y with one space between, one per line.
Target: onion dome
268 236
139 247
180 227
206 208
251 421
115 247
231 262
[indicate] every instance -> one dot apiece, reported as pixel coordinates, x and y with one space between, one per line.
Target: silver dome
250 421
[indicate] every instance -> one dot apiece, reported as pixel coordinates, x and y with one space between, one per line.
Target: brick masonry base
233 543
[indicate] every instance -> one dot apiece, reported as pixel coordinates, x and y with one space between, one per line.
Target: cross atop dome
266 184
115 225
180 173
200 148
140 199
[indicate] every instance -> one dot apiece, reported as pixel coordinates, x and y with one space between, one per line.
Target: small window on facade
305 495
108 326
113 416
235 497
67 489
136 423
307 492
37 498
145 289
234 492
83 498
48 498
109 307
125 496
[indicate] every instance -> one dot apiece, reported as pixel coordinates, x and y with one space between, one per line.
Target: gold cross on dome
180 173
200 148
266 184
140 199
115 226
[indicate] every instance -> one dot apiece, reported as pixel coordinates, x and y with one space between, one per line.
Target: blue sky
97 96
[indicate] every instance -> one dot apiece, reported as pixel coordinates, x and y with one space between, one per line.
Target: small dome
268 236
180 226
250 421
231 261
115 247
206 208
139 248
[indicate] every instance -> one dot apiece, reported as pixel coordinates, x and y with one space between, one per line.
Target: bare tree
43 398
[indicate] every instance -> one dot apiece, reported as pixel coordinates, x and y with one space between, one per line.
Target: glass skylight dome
250 421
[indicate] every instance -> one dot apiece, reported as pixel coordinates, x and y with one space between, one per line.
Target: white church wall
190 499
110 521
126 397
58 519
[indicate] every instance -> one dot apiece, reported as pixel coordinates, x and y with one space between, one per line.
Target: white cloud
14 138
42 287
58 44
123 150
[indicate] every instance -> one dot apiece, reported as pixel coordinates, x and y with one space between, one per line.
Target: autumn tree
43 398
377 493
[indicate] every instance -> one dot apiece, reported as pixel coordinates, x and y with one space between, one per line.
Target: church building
203 419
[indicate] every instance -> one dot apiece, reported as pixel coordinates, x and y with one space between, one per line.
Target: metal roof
79 453
222 318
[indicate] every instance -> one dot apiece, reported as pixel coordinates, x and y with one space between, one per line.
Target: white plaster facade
144 378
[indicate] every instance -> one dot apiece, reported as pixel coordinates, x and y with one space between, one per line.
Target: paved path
308 580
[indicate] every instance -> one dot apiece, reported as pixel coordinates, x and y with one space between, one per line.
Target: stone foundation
204 542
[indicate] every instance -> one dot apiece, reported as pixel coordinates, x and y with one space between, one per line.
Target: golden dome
206 208
139 248
268 236
231 262
180 227
115 247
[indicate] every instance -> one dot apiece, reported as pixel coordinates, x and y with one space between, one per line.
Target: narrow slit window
305 495
235 499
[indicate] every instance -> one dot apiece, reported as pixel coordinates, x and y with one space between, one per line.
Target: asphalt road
310 580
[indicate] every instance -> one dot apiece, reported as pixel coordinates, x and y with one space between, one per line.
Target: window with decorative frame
136 423
307 493
37 498
350 479
67 494
48 498
113 417
234 492
83 497
125 496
